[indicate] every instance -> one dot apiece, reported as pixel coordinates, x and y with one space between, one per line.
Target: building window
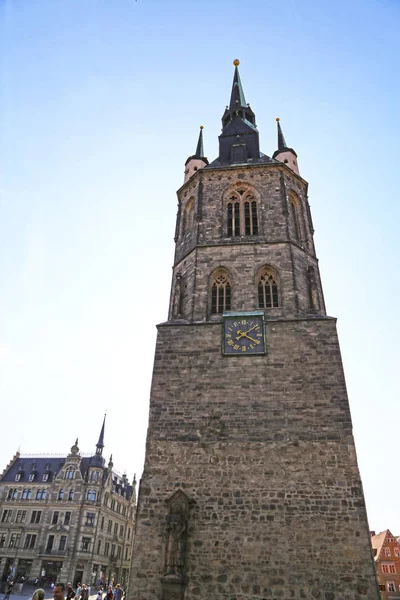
30 541
60 494
3 538
45 477
18 477
14 540
241 211
36 516
115 528
109 526
91 496
396 552
31 476
71 495
112 550
56 514
69 473
89 519
112 506
67 518
106 548
382 587
390 586
44 494
121 531
12 494
102 523
387 552
40 494
86 541
63 541
6 516
21 516
267 290
392 569
50 542
99 547
95 475
221 292
129 533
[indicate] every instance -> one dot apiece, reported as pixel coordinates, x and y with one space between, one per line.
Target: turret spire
100 443
281 138
200 149
284 153
196 161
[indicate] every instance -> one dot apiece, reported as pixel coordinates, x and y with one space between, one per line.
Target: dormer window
31 476
18 477
45 476
95 475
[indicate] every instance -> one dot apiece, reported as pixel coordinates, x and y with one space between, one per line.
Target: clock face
243 335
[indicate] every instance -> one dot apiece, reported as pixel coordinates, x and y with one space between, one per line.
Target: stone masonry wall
263 447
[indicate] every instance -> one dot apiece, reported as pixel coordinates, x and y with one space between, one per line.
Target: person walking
118 592
10 586
70 591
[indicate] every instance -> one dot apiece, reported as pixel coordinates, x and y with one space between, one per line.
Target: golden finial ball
236 62
201 127
277 118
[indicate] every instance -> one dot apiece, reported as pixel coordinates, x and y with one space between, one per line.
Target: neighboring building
251 487
387 560
68 518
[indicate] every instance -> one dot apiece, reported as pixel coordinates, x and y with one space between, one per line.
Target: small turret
284 153
100 443
198 160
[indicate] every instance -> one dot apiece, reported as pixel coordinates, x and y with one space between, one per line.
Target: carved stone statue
175 555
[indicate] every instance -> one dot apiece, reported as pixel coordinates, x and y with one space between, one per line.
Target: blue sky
100 107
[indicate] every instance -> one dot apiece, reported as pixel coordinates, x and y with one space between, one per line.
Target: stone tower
251 488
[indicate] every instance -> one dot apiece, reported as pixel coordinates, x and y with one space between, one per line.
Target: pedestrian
78 590
70 591
99 594
118 592
9 590
59 591
38 594
109 593
84 592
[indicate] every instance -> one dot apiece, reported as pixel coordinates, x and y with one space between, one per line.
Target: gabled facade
386 550
68 518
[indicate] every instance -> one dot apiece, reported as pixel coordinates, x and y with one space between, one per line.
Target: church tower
251 488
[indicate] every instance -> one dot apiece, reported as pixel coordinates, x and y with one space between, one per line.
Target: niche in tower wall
174 578
313 289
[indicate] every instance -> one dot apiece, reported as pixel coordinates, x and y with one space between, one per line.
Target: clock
243 334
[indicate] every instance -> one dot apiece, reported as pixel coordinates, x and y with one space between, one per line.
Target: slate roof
251 161
49 465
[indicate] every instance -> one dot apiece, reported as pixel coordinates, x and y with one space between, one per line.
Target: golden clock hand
250 338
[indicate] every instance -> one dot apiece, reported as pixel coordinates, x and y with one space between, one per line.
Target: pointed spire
281 138
237 95
100 443
200 150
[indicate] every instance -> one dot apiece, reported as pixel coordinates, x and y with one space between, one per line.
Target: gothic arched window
267 289
221 292
61 494
44 494
91 496
29 494
71 495
242 218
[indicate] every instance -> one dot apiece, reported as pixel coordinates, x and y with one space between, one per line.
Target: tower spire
100 443
284 153
238 142
237 95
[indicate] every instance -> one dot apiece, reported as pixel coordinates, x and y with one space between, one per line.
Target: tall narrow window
267 290
295 216
241 212
188 216
220 293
